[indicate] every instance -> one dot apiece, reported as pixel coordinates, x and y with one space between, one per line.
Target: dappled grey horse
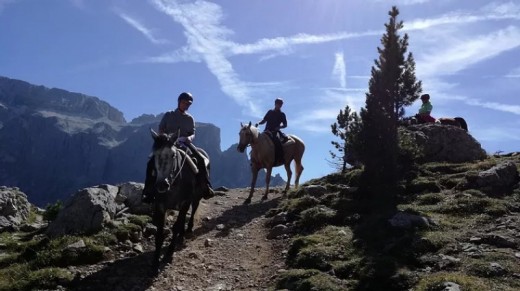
177 186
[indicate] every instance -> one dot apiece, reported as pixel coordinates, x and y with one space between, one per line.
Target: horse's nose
240 148
162 186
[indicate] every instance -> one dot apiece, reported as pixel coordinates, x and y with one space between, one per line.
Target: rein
182 165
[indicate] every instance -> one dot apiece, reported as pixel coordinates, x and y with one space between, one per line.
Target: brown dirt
227 251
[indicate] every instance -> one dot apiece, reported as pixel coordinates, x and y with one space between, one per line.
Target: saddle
278 146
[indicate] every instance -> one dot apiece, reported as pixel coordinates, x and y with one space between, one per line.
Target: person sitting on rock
424 112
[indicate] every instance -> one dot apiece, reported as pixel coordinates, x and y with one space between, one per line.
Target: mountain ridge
54 142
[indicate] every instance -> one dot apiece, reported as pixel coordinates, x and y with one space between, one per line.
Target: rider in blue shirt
275 120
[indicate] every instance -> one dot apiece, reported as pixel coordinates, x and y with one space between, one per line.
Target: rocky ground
227 251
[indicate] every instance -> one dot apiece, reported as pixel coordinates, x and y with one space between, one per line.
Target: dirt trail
227 251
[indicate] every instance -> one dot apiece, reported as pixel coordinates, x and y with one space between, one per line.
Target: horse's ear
249 124
154 134
241 124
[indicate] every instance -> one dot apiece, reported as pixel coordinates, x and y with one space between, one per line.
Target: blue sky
237 56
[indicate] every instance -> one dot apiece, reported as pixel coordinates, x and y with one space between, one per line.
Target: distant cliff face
53 142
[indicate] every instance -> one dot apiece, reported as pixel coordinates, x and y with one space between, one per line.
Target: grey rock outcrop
130 196
496 180
14 208
436 143
86 212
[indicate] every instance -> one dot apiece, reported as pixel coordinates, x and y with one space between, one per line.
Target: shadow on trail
135 273
237 216
124 274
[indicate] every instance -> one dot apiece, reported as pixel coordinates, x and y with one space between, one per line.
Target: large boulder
497 180
130 195
441 143
14 208
86 212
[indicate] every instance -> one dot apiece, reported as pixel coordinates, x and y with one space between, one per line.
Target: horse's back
298 142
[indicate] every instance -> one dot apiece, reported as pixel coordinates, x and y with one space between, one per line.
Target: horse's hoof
247 201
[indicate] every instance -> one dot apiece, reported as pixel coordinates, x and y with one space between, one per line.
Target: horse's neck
256 135
261 144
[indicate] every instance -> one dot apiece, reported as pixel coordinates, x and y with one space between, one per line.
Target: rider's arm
264 120
162 124
191 130
284 121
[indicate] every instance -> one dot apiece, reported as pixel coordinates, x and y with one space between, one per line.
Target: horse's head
166 156
247 134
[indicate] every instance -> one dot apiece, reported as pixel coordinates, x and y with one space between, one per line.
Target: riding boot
203 172
148 194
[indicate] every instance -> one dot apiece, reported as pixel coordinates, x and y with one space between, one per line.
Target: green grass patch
126 231
423 184
306 280
316 217
140 220
430 198
435 282
462 205
319 250
22 277
297 205
57 253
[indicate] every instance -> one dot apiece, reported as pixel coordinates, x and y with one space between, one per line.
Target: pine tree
347 128
392 86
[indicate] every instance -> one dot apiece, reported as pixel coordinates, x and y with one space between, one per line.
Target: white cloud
207 40
404 2
490 12
339 71
499 134
515 109
515 73
320 118
462 53
141 28
286 43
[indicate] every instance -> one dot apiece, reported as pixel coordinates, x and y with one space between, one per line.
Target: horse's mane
162 140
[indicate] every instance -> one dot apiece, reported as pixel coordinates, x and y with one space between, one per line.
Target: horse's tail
462 123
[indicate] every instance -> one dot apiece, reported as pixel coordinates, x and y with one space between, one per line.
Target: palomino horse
177 188
263 156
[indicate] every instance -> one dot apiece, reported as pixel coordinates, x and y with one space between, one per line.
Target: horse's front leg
254 175
159 217
267 182
177 232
